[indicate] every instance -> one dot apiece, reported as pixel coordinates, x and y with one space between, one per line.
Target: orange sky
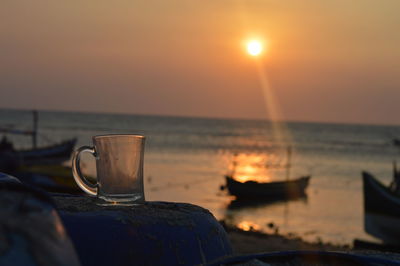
333 61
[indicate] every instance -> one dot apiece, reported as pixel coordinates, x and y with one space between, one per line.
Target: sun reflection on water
248 226
260 167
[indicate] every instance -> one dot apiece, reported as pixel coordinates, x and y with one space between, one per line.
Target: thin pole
395 172
234 164
35 125
288 164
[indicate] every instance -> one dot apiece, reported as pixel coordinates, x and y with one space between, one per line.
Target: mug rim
119 135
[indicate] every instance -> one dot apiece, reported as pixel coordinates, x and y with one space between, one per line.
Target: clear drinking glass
119 166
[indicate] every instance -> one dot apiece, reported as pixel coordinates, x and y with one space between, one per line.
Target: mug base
120 200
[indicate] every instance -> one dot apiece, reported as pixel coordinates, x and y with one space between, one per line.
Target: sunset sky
330 61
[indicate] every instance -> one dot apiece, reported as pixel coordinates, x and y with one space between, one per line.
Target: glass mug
119 166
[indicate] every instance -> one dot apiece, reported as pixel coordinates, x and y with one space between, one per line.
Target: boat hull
382 211
383 227
273 190
54 154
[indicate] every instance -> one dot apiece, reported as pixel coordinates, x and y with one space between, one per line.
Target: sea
186 159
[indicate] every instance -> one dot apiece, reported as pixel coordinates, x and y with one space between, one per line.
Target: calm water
186 159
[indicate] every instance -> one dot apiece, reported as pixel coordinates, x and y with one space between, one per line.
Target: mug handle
82 182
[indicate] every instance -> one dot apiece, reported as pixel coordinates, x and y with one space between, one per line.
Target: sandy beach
250 242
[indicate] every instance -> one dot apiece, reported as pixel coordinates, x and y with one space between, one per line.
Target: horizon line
200 117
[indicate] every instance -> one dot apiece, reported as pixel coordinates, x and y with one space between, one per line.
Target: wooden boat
382 210
254 190
54 154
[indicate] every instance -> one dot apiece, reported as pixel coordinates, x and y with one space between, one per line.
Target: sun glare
254 48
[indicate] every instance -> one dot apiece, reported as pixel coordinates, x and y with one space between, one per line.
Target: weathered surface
31 232
153 233
309 258
71 203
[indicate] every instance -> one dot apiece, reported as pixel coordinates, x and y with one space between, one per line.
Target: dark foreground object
155 233
272 190
31 232
360 244
310 258
382 211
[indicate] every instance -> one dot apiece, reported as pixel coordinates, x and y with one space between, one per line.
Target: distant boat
294 188
381 210
52 154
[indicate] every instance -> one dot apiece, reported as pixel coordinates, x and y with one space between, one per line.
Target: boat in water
381 210
51 154
287 189
253 191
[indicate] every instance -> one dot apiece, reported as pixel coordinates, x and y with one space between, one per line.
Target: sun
254 48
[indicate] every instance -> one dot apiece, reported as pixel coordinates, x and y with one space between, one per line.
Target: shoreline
252 241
